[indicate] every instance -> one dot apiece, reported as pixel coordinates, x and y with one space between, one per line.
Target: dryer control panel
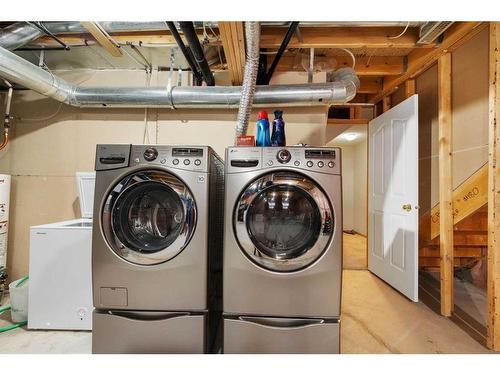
191 158
317 159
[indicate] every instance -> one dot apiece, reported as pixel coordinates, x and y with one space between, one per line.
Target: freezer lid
85 184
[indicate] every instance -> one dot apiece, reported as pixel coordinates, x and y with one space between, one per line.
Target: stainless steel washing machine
157 249
282 250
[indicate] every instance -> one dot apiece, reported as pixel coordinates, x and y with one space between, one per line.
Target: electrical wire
401 34
41 119
352 56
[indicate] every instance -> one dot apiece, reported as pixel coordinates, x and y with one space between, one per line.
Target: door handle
281 322
147 316
407 207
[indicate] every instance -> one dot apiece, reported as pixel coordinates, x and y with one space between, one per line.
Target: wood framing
420 60
103 39
493 339
369 85
353 121
386 103
233 40
410 88
343 37
469 197
365 66
445 184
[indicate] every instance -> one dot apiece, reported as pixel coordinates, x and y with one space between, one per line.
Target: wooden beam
445 184
343 37
493 288
369 85
420 60
409 88
365 66
469 197
354 121
386 103
233 41
102 38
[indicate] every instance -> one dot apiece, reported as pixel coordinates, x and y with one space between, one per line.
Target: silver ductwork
252 34
19 71
18 35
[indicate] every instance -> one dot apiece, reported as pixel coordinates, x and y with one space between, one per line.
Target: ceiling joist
232 36
345 37
102 38
365 66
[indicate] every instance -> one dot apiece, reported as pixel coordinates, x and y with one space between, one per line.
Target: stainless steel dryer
282 250
156 250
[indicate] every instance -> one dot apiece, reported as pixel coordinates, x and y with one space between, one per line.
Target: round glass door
283 221
149 217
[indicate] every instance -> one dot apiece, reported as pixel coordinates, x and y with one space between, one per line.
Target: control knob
283 156
150 154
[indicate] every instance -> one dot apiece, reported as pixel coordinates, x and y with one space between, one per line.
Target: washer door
283 221
149 217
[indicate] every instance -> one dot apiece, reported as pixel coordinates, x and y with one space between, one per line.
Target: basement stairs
470 225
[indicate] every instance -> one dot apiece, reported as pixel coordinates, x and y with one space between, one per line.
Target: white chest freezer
60 287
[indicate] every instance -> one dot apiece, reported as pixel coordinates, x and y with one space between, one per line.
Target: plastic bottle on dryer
278 137
262 138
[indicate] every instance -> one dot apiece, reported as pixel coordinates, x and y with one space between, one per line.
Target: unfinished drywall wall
354 182
360 158
347 188
470 119
52 141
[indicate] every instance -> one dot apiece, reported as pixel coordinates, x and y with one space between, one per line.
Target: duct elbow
347 84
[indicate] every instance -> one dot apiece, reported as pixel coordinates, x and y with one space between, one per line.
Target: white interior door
393 197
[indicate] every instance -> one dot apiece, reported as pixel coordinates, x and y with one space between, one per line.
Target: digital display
187 152
320 154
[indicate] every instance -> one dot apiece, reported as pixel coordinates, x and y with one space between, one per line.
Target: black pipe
291 30
186 52
195 47
261 72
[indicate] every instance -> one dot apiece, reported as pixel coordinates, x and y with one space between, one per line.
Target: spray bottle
278 136
262 139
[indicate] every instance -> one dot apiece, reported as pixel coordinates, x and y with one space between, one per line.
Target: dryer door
149 217
283 221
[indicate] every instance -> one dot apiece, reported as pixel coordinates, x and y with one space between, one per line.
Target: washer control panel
187 158
318 159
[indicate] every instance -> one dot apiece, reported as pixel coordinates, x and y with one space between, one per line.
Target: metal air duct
17 70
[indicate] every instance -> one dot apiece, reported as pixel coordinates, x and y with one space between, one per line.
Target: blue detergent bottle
278 137
262 138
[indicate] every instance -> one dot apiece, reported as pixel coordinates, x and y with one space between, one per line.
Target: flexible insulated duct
252 34
17 70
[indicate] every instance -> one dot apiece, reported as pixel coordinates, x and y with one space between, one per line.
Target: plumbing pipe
199 56
289 33
6 121
186 52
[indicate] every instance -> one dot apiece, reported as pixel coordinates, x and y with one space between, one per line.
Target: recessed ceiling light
350 136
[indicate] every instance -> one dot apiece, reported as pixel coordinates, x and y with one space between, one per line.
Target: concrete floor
375 319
